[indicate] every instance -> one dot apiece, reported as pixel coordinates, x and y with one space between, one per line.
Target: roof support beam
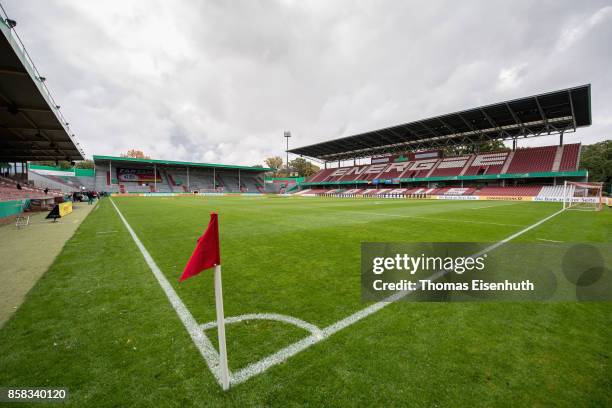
571 102
542 114
489 119
29 109
515 117
430 130
35 128
449 127
12 71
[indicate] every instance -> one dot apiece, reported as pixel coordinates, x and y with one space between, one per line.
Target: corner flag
205 256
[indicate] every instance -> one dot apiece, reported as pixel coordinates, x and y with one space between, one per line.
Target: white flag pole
221 329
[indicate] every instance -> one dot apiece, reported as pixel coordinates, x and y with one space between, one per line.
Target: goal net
582 196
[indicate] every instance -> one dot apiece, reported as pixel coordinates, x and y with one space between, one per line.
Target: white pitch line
314 330
291 350
212 357
197 335
491 206
548 240
435 219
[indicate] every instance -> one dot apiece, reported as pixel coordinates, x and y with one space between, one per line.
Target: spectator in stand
46 190
18 186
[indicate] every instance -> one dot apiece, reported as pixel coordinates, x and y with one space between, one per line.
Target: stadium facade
410 159
128 175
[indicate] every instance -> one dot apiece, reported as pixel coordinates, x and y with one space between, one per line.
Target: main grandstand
410 159
132 175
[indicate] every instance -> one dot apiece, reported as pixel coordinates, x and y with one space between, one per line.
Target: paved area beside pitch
27 261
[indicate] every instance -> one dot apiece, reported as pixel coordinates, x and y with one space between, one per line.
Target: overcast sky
219 81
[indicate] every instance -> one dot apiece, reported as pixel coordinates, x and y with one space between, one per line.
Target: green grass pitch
99 323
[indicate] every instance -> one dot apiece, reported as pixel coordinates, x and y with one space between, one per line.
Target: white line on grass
197 335
283 354
314 330
434 219
491 206
212 357
547 240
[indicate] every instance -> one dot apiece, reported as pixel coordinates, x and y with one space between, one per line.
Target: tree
275 163
597 160
62 164
84 164
136 154
491 146
303 167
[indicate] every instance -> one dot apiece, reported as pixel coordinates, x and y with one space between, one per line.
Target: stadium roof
178 163
31 125
545 114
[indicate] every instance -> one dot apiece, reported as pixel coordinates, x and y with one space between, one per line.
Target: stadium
94 309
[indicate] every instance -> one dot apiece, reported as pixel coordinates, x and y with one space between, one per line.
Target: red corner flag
206 254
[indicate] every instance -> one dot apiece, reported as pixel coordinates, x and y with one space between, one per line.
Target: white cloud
577 31
220 81
510 78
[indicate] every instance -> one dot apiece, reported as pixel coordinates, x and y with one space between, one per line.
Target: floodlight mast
287 135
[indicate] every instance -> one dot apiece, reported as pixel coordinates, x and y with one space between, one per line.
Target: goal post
584 196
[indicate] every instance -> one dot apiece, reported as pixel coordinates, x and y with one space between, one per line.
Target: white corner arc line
283 354
211 356
314 330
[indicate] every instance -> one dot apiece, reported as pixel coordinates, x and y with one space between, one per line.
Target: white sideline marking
199 338
434 219
314 330
547 240
291 350
212 357
491 206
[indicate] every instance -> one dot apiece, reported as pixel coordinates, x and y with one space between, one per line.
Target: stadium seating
569 160
393 171
487 163
321 175
526 160
66 184
420 168
9 191
450 166
354 173
456 191
530 191
509 191
535 159
551 192
251 184
467 192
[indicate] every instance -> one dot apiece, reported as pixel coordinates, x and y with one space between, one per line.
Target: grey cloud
220 81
